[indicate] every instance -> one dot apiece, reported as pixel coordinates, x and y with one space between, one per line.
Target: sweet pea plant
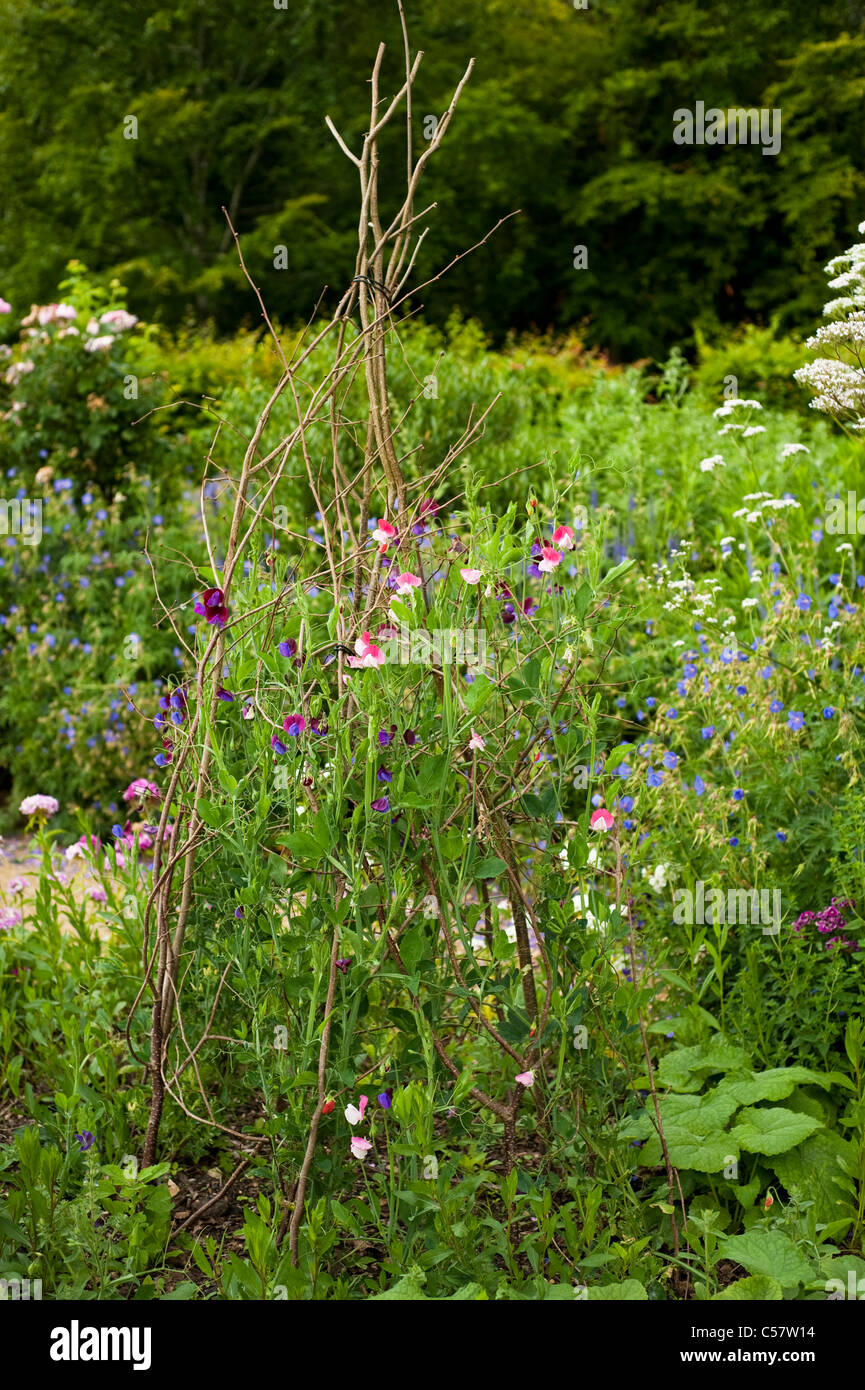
371 780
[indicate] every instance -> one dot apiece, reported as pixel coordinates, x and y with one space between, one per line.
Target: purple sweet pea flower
212 607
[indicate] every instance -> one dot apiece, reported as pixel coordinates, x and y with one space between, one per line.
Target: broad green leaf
772 1131
629 1291
811 1172
213 816
491 868
757 1288
301 845
775 1084
768 1252
687 1067
411 947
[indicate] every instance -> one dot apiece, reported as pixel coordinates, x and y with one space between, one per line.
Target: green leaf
412 946
770 1253
775 1084
477 694
772 1131
615 572
490 868
812 1172
687 1067
401 610
301 845
629 1291
759 1288
408 1289
213 816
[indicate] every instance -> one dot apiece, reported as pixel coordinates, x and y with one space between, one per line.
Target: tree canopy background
568 117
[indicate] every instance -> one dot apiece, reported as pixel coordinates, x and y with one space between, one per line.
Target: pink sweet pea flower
384 533
563 536
601 820
359 1147
471 576
551 559
476 741
354 1113
525 1078
406 582
368 654
5 306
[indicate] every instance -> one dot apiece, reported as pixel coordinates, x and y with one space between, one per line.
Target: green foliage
568 118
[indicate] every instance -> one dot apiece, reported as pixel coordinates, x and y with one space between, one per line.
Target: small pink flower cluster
830 921
43 806
141 790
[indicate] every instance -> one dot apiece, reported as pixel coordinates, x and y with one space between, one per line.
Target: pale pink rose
119 320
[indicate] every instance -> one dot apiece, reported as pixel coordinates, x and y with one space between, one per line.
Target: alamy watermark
21 517
845 516
440 646
736 126
730 906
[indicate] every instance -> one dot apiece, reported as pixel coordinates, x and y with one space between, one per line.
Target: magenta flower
563 536
212 607
140 790
380 804
294 725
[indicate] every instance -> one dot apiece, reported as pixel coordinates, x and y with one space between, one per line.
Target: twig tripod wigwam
369 878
